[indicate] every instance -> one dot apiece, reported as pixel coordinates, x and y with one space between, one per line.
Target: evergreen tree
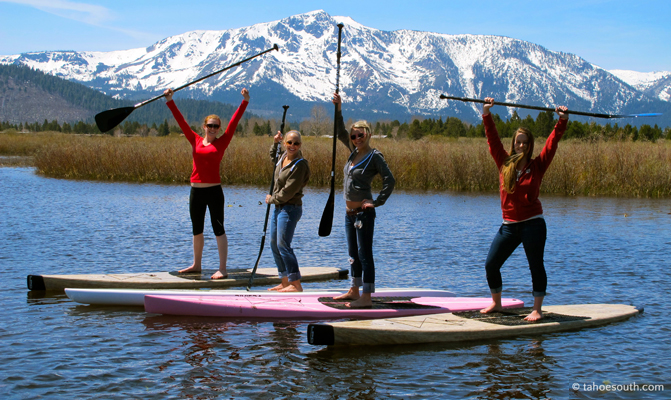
415 130
574 130
455 128
545 123
164 129
257 130
646 132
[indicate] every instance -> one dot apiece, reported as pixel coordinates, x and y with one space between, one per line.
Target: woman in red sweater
520 180
206 191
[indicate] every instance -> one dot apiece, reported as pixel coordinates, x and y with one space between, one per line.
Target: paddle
272 185
466 99
326 223
109 119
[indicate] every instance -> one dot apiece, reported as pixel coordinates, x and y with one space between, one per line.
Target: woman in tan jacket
292 173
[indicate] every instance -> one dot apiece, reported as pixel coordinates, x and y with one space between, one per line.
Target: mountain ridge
384 74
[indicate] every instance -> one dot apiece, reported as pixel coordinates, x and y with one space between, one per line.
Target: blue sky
634 35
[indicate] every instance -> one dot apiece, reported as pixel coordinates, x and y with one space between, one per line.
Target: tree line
318 125
541 126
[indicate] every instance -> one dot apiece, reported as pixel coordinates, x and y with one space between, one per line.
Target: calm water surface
598 251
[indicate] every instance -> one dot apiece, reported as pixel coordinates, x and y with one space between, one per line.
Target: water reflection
40 297
521 372
286 336
60 349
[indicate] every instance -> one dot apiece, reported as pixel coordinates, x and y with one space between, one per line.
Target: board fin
319 334
36 282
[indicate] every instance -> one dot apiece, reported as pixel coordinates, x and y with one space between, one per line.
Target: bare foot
534 316
219 275
293 287
192 268
278 287
352 294
361 303
494 307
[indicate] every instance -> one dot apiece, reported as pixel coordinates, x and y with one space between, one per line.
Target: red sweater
207 159
524 203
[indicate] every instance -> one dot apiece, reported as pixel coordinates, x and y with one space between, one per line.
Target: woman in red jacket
520 180
206 191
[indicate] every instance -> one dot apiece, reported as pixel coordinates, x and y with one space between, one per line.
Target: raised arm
493 140
276 143
550 148
343 135
183 125
235 119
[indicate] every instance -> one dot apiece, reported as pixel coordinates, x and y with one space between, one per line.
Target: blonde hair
509 167
286 136
362 124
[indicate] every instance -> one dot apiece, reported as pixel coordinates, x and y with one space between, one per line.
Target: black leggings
199 200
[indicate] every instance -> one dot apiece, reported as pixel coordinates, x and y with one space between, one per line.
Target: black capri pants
199 200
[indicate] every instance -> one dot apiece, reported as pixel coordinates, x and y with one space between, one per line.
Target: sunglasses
290 143
357 136
212 126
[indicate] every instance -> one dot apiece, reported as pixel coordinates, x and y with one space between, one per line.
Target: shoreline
604 168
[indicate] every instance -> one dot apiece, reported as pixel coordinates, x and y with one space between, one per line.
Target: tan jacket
290 180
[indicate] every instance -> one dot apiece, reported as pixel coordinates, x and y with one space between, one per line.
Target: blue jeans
282 229
360 248
532 235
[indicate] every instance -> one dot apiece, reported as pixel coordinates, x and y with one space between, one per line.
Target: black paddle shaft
326 222
596 115
109 119
272 186
275 47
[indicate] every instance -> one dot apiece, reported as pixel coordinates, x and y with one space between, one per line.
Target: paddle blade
326 223
108 120
644 115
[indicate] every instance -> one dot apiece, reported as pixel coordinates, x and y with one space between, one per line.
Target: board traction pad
515 317
379 303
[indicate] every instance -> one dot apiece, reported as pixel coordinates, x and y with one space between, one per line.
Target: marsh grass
612 168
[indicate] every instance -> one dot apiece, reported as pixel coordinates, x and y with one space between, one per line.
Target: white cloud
82 12
89 14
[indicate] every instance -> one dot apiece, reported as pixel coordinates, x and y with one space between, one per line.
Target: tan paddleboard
456 327
174 280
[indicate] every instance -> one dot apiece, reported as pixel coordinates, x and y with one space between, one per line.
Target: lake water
599 250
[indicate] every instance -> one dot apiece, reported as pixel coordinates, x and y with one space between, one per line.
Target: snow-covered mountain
655 84
383 74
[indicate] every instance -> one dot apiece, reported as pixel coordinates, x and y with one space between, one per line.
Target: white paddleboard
135 297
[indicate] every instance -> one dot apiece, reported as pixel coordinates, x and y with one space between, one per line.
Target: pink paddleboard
284 307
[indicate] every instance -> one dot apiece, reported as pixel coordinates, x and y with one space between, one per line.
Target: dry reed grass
639 169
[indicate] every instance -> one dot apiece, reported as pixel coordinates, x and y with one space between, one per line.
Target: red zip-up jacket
524 203
207 159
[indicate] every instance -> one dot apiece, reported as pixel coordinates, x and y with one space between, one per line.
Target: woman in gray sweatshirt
362 165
